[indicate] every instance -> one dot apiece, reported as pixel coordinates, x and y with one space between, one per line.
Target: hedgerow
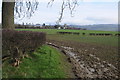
17 43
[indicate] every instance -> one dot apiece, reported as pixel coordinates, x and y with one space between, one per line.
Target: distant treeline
46 27
91 34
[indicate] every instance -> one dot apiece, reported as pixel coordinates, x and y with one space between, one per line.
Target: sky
88 12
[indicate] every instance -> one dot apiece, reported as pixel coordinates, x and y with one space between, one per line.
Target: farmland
98 50
106 45
100 40
53 31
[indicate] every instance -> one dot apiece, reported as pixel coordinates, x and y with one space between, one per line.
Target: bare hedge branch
25 8
70 4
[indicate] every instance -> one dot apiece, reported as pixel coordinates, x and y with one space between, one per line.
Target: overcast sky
88 12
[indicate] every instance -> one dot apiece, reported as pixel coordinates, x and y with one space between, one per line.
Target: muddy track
85 68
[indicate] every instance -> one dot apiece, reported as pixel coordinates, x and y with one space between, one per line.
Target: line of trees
91 34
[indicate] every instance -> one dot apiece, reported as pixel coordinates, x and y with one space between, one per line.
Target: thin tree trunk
8 15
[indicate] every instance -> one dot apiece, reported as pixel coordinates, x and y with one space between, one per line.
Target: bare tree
20 8
8 15
70 4
25 8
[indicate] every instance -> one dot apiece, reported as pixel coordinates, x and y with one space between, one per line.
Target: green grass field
53 31
100 40
45 62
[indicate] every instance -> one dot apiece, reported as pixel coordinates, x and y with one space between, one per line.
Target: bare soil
90 60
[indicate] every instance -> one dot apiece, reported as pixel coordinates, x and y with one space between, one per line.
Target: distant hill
102 27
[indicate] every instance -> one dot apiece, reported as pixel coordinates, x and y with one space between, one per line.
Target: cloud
100 0
94 13
103 19
81 21
86 13
60 0
83 0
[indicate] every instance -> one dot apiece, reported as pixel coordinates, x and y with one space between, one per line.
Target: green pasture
53 31
45 62
110 41
100 40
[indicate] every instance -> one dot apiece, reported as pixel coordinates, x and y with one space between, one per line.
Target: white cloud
94 13
61 0
87 13
83 0
100 0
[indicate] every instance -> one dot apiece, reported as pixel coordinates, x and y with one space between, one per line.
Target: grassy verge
45 62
